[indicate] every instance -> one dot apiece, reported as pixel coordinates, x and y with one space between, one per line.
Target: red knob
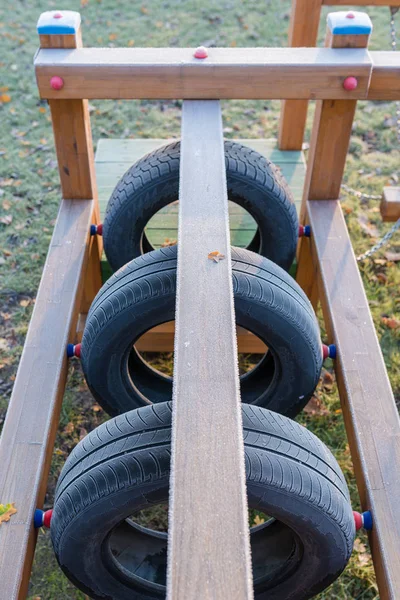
200 52
56 83
350 15
350 84
57 16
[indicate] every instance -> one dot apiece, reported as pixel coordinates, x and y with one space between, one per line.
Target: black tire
153 182
123 467
141 295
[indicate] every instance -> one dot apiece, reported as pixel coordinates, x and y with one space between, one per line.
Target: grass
29 198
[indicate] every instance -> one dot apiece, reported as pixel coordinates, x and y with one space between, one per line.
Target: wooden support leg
74 146
303 32
328 150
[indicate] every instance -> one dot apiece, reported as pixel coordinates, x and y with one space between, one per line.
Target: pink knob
350 84
56 83
57 16
200 52
350 15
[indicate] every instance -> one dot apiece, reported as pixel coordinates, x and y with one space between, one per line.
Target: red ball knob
200 52
358 520
56 83
350 15
350 84
57 16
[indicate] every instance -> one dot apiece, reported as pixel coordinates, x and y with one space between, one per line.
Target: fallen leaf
315 407
391 322
168 242
327 381
96 407
112 37
392 256
69 428
131 43
144 10
25 303
6 220
4 98
6 205
258 520
6 511
42 109
367 227
381 277
216 256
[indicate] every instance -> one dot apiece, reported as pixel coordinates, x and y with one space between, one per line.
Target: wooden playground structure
68 75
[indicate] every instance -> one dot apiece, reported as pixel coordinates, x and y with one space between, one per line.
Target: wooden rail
370 413
303 31
207 438
227 73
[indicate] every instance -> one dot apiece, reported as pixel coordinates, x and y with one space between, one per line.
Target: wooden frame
303 31
327 269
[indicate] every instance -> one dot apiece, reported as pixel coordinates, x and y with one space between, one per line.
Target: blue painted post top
58 22
349 22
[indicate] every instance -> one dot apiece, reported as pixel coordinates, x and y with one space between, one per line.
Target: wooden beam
208 555
369 410
385 78
226 73
330 139
73 141
303 32
390 203
29 430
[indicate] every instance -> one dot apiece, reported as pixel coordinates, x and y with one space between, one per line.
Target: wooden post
303 32
330 139
208 554
73 139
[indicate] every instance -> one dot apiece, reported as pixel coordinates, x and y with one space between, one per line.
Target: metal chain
381 242
361 195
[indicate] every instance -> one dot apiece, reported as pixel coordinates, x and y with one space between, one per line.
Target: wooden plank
29 430
369 410
390 203
303 32
210 556
385 79
227 73
130 150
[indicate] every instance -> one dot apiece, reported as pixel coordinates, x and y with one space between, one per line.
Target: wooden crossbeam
226 73
27 439
208 555
370 413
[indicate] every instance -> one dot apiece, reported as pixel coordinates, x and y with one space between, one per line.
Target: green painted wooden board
114 157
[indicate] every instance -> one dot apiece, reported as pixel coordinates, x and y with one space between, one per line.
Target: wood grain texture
208 555
369 409
330 138
29 430
227 73
390 203
75 156
303 32
385 79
